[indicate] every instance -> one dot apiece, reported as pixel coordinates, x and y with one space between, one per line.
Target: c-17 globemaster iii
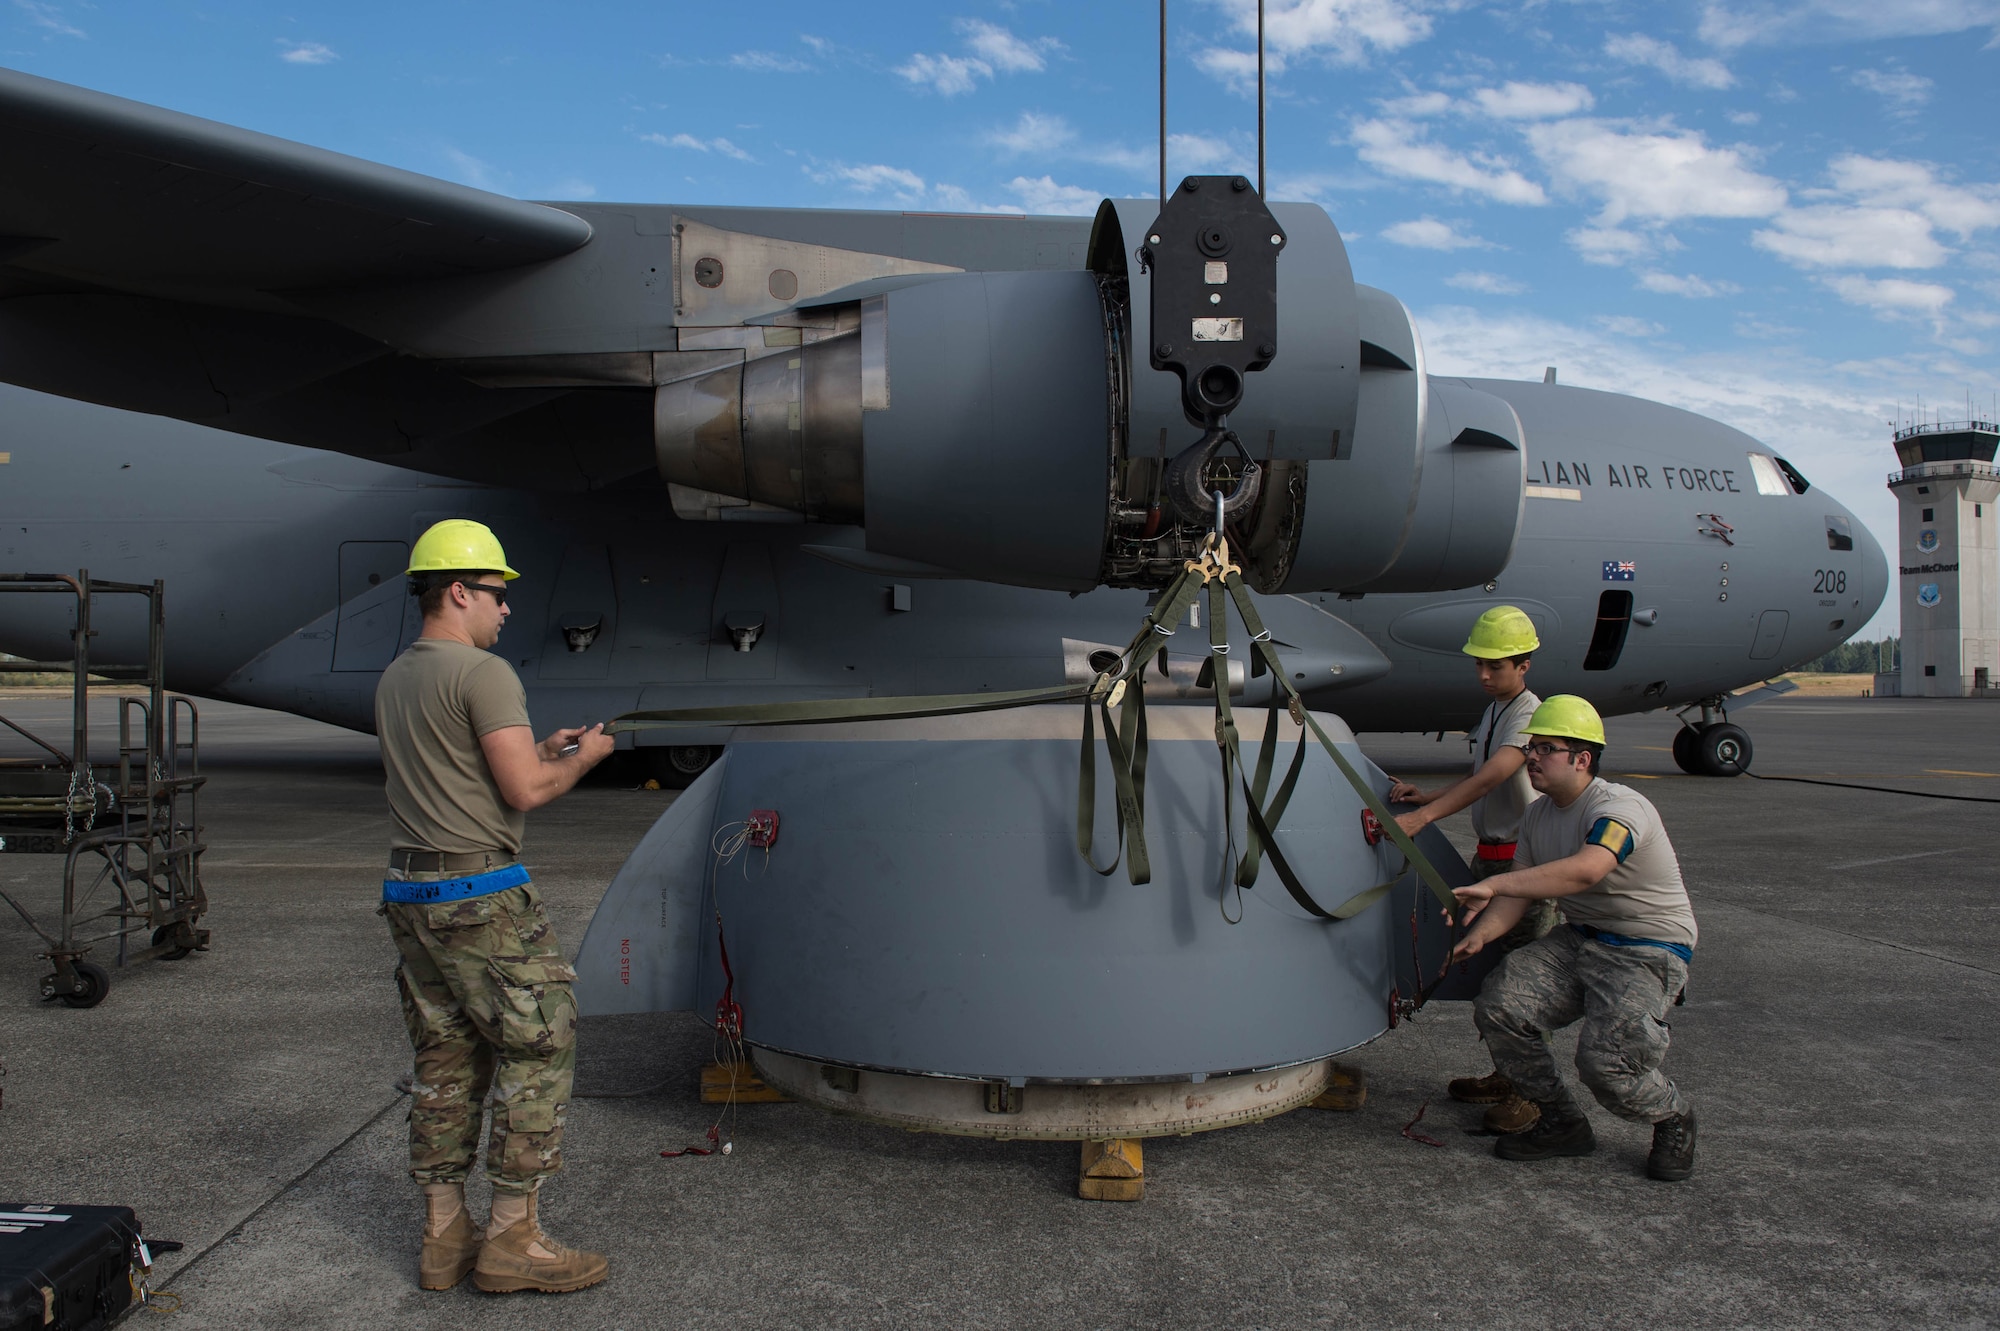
753 455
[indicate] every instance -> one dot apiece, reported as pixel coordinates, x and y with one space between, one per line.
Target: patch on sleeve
1613 835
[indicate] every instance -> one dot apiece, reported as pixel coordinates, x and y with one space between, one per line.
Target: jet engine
997 425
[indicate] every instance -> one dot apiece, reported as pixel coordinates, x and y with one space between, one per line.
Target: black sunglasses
499 593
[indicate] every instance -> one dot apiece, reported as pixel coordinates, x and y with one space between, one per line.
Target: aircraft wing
162 263
123 196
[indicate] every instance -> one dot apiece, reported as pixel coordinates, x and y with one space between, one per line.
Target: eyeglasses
1544 750
499 593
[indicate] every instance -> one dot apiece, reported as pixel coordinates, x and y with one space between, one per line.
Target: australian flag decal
1620 570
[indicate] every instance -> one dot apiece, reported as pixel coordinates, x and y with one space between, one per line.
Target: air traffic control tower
1946 558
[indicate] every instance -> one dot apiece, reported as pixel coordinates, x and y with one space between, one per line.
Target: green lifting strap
845 709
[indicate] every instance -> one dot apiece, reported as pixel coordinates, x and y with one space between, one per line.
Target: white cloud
1003 50
307 53
1428 233
957 199
1033 132
572 187
950 75
689 141
1338 32
1398 148
1731 23
1836 236
1656 176
872 178
1916 185
1744 117
1534 101
1693 71
1609 245
1626 325
1418 104
1694 288
1892 295
1043 195
1204 153
49 18
1902 90
993 49
768 62
1491 284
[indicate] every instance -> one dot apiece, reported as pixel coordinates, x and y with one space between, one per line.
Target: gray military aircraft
752 455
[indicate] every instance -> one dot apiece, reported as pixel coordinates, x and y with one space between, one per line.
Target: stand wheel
1685 758
677 765
1723 750
182 937
93 983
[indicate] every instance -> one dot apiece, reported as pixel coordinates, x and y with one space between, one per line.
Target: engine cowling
997 425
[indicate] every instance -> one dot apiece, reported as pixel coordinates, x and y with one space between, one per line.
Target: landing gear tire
676 766
1685 741
1722 750
92 983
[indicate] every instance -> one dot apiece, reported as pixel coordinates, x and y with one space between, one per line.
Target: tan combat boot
1514 1114
518 1255
451 1240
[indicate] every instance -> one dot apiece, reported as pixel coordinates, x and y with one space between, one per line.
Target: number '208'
1830 580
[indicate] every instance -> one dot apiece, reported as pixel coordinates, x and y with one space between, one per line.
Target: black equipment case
65 1268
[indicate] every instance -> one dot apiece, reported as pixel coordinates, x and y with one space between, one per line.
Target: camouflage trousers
1621 994
486 997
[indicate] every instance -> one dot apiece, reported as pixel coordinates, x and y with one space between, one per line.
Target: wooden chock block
719 1080
1346 1089
1112 1171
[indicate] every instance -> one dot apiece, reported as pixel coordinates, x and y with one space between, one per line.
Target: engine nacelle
998 425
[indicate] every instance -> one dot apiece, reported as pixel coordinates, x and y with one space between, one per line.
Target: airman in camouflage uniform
485 988
1618 964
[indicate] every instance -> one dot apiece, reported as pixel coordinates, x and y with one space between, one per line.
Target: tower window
1607 640
1979 510
1930 670
1927 515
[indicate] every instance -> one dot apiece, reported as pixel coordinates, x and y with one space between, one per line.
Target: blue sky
1786 216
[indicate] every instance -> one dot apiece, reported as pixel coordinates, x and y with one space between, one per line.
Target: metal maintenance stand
130 834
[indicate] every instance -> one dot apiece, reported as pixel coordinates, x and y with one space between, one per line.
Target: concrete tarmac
1837 1039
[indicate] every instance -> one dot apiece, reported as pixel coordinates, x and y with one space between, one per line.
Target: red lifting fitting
1371 827
763 828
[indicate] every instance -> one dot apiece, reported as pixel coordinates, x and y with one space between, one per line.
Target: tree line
1858 658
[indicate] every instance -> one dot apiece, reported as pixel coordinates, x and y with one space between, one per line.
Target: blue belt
454 889
1681 950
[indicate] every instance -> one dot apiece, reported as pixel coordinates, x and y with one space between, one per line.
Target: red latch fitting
1371 827
763 832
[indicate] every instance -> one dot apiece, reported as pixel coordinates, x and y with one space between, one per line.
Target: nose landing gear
1711 747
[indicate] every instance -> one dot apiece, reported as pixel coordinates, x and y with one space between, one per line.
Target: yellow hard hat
459 545
1567 716
1505 630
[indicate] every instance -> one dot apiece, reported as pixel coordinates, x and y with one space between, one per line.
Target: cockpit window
1839 536
1775 476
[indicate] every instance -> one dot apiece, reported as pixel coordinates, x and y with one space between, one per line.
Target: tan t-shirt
1644 896
1496 815
433 704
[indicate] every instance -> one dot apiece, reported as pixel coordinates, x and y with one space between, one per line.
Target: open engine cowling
1001 426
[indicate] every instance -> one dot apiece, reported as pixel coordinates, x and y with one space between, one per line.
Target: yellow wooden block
1346 1089
724 1082
1112 1171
